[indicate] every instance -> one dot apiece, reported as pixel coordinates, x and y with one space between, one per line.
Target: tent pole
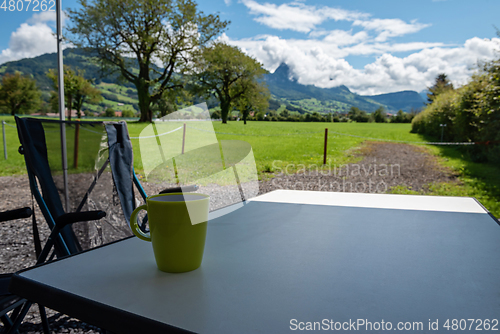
62 109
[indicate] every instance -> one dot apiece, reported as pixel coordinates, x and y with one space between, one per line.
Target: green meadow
280 146
479 180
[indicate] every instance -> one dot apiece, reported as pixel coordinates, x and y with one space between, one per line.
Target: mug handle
135 226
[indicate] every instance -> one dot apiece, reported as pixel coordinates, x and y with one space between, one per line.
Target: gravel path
383 165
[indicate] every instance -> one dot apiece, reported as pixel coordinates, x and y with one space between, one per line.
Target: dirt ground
382 166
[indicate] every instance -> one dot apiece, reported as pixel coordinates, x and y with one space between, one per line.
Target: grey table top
289 258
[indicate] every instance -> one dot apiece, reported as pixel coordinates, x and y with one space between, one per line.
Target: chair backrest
32 137
34 148
121 159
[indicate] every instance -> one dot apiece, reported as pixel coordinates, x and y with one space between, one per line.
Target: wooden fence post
183 137
4 140
77 142
326 142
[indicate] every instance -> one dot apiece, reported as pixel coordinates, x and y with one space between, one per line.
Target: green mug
178 229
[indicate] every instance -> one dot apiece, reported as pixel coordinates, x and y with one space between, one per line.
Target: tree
70 88
358 115
379 115
441 84
110 112
215 114
77 90
255 98
170 101
231 76
166 31
260 116
128 113
85 92
284 113
400 117
19 94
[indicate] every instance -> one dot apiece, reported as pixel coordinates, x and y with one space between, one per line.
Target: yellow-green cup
178 229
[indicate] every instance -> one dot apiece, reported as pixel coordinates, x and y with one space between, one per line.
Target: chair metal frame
19 306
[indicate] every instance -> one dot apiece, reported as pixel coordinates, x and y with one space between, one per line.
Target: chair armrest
179 189
15 214
70 218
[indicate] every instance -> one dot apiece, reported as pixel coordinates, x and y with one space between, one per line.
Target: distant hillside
283 86
423 94
76 59
405 100
116 94
286 91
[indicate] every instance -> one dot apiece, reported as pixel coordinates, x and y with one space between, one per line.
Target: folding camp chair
34 148
8 301
107 149
102 158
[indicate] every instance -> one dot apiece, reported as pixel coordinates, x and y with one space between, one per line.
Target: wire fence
340 134
256 135
404 141
12 126
159 135
4 123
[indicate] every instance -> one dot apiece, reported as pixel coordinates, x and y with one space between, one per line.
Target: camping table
291 260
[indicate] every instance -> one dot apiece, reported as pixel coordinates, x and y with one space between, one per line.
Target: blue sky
370 46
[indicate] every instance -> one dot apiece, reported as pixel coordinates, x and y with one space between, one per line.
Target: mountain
76 59
283 86
119 94
404 100
424 93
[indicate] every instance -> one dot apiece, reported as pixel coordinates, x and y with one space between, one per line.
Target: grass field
478 180
275 144
280 144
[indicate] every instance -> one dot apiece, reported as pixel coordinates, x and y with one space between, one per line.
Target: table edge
459 204
109 317
487 211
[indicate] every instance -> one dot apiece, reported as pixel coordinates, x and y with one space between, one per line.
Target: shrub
109 113
259 116
441 111
379 115
216 114
471 114
128 113
402 117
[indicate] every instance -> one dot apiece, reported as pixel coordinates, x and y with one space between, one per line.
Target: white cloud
390 27
299 17
336 44
320 63
32 38
342 37
320 58
43 17
296 16
29 41
227 2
